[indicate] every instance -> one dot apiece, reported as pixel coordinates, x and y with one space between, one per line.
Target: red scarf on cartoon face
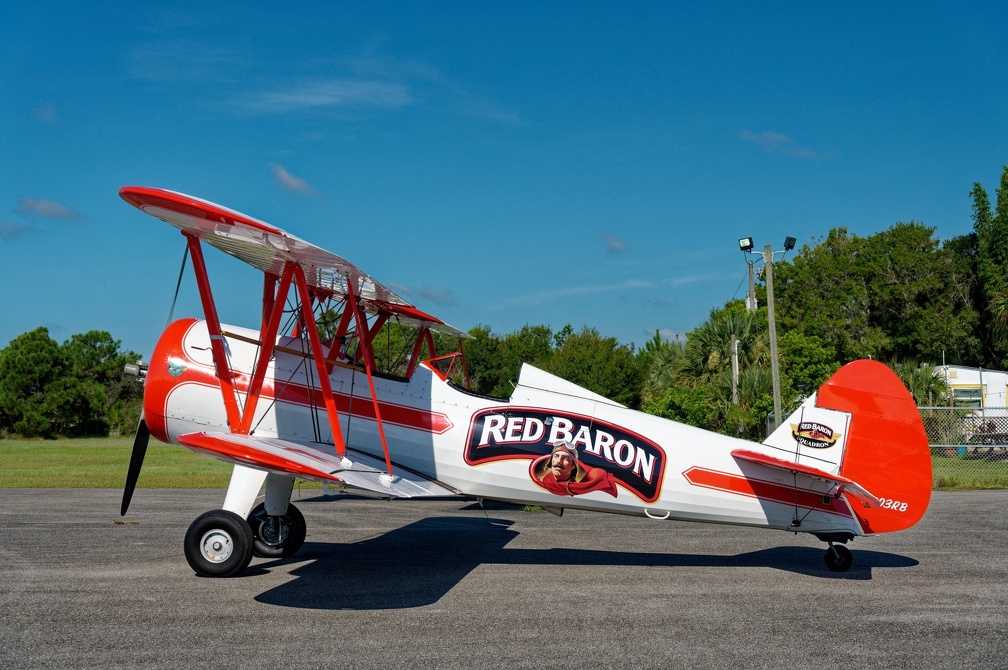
585 479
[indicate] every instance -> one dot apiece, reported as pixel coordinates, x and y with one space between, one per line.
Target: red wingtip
198 209
887 449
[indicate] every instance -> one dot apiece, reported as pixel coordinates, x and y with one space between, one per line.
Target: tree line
901 296
73 389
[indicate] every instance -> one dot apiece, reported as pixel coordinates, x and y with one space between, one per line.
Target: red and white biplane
289 400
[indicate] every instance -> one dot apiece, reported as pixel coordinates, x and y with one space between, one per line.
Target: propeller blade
136 460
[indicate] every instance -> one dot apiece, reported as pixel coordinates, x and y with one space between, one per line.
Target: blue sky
496 163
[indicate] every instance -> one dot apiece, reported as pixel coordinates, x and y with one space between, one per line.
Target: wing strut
272 315
423 337
216 338
365 342
318 355
240 422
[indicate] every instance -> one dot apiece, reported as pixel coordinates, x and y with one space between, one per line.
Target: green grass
959 473
102 463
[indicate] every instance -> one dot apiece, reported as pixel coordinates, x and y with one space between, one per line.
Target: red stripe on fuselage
401 415
770 491
160 383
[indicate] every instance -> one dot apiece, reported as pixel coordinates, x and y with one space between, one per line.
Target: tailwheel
838 558
218 544
277 536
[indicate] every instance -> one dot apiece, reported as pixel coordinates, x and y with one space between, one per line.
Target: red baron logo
815 435
636 463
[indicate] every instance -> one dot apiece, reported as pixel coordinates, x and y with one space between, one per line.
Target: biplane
308 394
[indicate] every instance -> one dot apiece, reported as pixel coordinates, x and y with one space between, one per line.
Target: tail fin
887 450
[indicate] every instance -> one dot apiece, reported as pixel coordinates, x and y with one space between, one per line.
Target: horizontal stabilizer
311 462
843 484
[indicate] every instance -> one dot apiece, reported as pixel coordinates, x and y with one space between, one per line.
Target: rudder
887 449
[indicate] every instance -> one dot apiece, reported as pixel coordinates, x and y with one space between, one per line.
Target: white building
976 387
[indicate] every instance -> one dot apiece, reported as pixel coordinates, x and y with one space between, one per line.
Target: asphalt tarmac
403 584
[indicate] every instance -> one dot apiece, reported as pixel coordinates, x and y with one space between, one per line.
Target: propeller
142 436
136 461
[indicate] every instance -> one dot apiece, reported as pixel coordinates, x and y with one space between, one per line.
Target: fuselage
627 462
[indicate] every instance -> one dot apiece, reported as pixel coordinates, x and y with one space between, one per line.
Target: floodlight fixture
766 273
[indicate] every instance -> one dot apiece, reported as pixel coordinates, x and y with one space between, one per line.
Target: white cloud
329 93
46 209
656 301
426 82
487 109
185 61
11 230
571 291
614 245
289 182
776 143
563 293
443 297
691 279
47 114
359 83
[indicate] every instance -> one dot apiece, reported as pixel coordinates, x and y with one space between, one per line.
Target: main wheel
838 558
218 544
277 536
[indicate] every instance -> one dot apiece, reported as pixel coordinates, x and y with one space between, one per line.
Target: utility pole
751 298
774 368
746 246
734 370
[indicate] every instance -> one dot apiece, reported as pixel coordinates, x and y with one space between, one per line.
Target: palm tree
708 346
928 388
661 360
998 306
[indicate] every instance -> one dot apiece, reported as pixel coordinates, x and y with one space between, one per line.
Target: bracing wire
735 294
287 382
178 284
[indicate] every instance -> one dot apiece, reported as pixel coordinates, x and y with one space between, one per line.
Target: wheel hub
216 546
274 531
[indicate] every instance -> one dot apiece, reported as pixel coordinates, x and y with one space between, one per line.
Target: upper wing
843 484
268 248
276 455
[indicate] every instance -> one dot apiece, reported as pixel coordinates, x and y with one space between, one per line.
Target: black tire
218 544
278 537
838 558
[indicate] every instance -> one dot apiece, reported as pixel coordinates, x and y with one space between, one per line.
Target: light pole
746 245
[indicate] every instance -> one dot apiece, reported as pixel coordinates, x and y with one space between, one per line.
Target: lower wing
309 461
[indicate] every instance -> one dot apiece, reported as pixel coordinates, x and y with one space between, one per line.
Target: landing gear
277 536
838 558
218 544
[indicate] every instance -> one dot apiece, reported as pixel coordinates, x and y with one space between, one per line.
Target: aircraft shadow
420 563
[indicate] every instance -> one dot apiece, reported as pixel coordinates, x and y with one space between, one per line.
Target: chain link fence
969 446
